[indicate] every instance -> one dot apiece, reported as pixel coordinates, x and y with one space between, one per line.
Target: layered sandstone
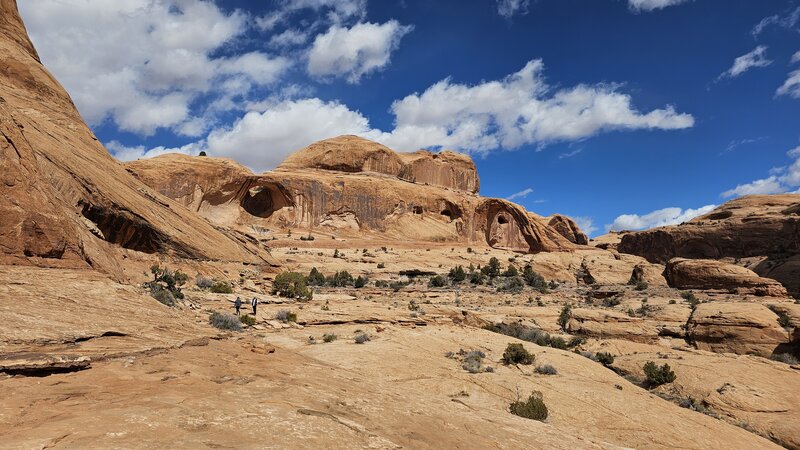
742 328
684 273
65 201
765 227
349 186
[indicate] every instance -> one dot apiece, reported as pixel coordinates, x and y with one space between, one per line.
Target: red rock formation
65 201
684 273
354 187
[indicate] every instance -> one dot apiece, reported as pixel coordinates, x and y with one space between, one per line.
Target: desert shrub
162 294
611 302
656 376
457 274
512 285
397 285
564 316
511 272
604 358
381 284
783 319
558 342
672 302
247 320
477 278
516 354
165 280
291 285
521 332
340 279
221 287
532 408
472 361
202 282
360 282
534 280
553 285
492 269
785 358
315 278
381 266
225 321
546 369
437 281
286 316
307 238
575 341
361 338
691 299
329 337
641 285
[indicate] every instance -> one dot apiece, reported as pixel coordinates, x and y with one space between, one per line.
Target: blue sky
625 114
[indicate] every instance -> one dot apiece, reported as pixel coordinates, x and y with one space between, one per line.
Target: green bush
315 278
381 265
534 280
641 285
286 316
512 285
340 279
656 376
361 338
221 287
457 274
162 294
511 272
225 321
516 354
604 358
564 316
247 320
533 408
472 361
437 281
492 269
558 342
166 285
477 277
329 337
291 285
360 282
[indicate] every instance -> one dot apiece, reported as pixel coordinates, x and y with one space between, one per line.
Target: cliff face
765 229
356 188
65 201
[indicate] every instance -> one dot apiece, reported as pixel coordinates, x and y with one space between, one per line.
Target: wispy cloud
651 5
789 20
658 218
511 8
570 154
733 145
756 58
521 194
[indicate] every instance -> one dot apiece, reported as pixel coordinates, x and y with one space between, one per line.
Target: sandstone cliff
65 201
763 228
354 187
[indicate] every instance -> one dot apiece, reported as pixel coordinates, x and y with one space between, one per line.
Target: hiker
238 305
254 303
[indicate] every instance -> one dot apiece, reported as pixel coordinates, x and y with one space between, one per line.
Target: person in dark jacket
254 304
238 305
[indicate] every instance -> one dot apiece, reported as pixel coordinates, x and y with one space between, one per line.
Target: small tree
315 278
564 316
656 376
604 358
533 279
457 274
360 282
492 269
437 282
511 272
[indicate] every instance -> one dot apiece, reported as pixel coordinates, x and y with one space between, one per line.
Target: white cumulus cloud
355 51
141 63
782 179
658 218
651 5
756 58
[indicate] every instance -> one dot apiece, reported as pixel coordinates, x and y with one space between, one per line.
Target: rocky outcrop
684 273
759 226
652 274
368 193
743 328
354 154
568 228
65 201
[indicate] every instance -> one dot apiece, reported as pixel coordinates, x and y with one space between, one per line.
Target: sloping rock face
684 273
743 328
764 226
568 228
355 188
65 201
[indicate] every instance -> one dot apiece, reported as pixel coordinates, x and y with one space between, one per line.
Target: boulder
684 273
742 328
652 274
568 228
